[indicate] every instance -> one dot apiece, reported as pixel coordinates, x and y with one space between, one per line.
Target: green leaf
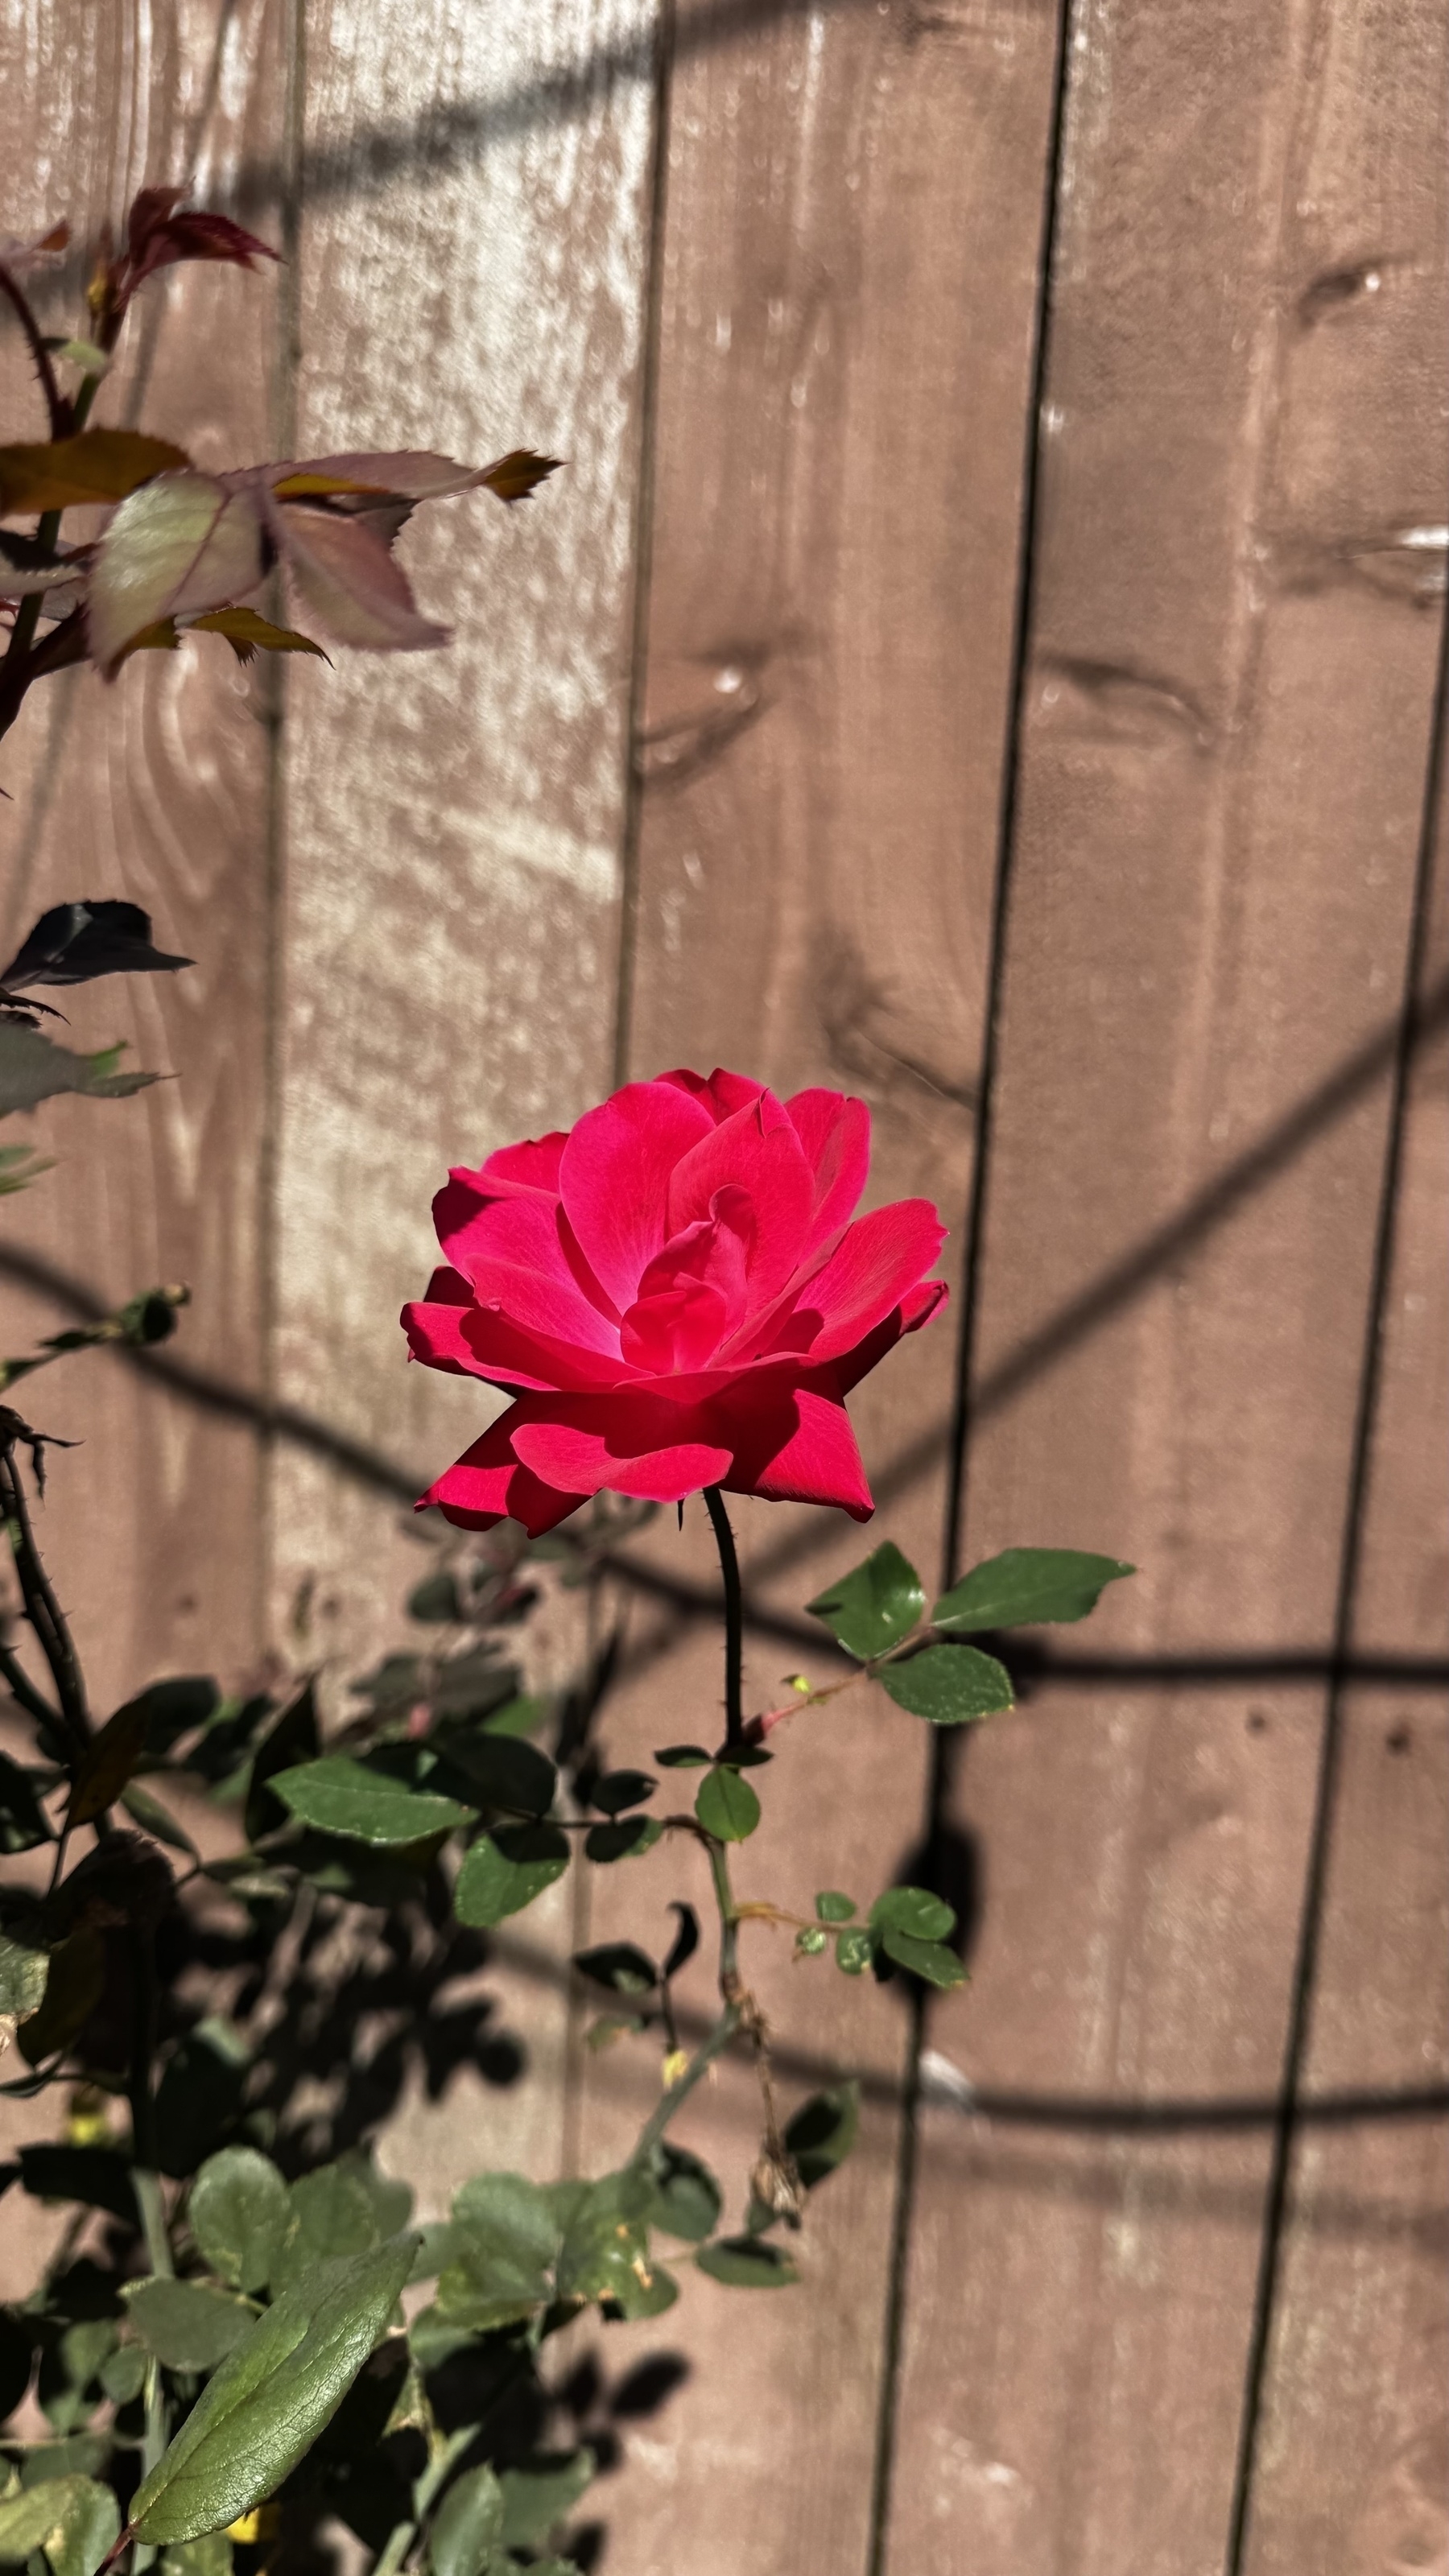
173 1708
1026 1585
605 2249
292 1740
19 1166
832 1907
875 1607
155 1819
107 1764
853 1952
23 1825
330 2217
623 1841
340 1796
913 1910
685 2199
535 2499
822 2132
209 2556
504 1771
810 1942
684 1757
240 2211
436 1600
505 1870
468 2525
746 2263
619 1966
940 1967
73 2519
123 2374
517 1716
23 1972
73 1989
621 1789
951 1685
506 2238
727 1806
271 2397
33 1068
95 2176
185 2324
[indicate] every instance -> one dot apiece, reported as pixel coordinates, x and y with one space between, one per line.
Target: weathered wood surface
1227 714
802 566
471 278
851 233
155 789
1352 2472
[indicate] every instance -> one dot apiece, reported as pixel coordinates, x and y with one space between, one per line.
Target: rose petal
488 1484
614 1179
533 1165
877 1260
721 1093
601 1454
510 1252
913 1311
834 1133
757 1150
802 1452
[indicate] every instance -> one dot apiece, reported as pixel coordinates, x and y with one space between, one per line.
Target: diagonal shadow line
1073 1323
1117 1285
451 136
1352 2106
1034 1666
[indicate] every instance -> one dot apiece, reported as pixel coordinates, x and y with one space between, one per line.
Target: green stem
730 2020
146 2184
729 1565
672 2101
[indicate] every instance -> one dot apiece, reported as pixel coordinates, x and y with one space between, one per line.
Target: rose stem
734 1618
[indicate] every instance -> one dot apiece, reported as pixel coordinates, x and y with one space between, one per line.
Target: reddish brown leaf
245 631
519 473
69 473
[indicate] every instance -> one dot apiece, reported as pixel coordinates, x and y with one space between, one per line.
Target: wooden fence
985 652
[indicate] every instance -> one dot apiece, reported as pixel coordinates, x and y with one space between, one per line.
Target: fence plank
1351 2466
845 321
471 279
1226 722
154 789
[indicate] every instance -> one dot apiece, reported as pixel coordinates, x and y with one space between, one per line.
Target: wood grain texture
846 298
154 789
454 818
1352 2473
1225 729
471 279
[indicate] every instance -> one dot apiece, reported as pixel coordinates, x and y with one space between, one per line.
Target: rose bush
677 1297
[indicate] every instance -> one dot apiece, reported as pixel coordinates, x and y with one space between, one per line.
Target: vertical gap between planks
887 2421
1310 1925
643 538
273 715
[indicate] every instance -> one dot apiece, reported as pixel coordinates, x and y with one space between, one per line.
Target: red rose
677 1296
